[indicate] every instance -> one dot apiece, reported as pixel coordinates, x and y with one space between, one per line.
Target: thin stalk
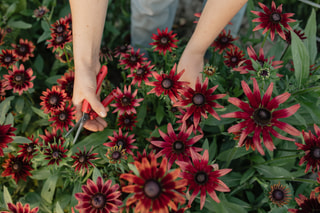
284 52
265 38
302 180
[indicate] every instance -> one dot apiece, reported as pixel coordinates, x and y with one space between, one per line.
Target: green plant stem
302 180
265 38
67 58
284 52
30 98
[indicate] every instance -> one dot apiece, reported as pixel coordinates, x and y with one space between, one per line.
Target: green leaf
96 173
301 60
40 174
39 112
205 146
6 196
4 108
76 189
311 32
224 206
142 112
53 79
39 63
240 151
247 175
159 113
58 208
48 188
20 140
45 35
26 120
19 105
272 171
11 9
9 119
19 24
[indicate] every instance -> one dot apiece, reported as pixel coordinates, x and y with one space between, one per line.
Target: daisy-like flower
82 159
123 140
279 194
7 58
311 149
60 27
306 205
121 50
66 83
168 84
141 74
24 49
52 136
126 101
17 168
248 141
260 116
177 146
116 154
299 33
233 57
209 70
2 35
19 79
164 41
105 54
6 133
273 19
28 149
127 121
63 118
59 40
53 100
201 100
132 59
153 187
203 177
99 197
188 123
40 11
247 66
19 208
139 156
223 41
55 153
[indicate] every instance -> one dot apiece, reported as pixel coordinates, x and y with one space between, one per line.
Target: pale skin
88 17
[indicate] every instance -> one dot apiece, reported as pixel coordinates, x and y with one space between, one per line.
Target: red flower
177 146
223 41
188 123
307 205
248 141
55 153
203 177
121 50
311 149
40 11
66 83
300 34
24 49
141 73
2 90
60 27
3 33
201 100
99 197
123 140
127 121
144 154
125 101
83 159
53 100
260 116
19 208
105 54
63 118
6 133
167 84
233 57
132 59
52 137
153 187
59 40
273 20
17 168
164 41
28 149
19 79
7 58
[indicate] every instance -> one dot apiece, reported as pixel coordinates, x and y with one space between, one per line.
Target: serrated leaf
311 34
6 196
48 188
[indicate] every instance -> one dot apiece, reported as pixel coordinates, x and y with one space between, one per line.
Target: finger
103 123
97 106
93 125
78 113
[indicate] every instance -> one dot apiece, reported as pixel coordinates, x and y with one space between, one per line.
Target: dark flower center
125 101
201 178
62 116
278 194
104 49
262 116
224 39
315 153
18 78
60 29
178 146
261 63
59 39
121 143
174 109
140 71
82 159
264 73
17 166
53 100
166 83
234 59
164 40
127 121
133 59
123 48
55 154
23 49
7 58
30 148
198 99
116 155
275 17
98 201
152 189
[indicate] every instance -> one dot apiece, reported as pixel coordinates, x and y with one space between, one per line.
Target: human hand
85 86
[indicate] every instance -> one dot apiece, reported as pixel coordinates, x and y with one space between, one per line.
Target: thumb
97 106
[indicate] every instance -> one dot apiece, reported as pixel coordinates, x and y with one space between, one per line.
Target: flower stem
284 52
302 180
265 38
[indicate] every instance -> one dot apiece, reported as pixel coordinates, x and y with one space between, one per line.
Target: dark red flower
99 197
164 41
153 187
127 121
248 141
6 133
168 84
40 11
59 40
306 205
121 50
7 58
260 116
53 100
132 59
177 146
19 208
311 149
28 149
299 33
3 33
125 101
233 57
24 49
201 100
17 168
66 83
55 153
273 20
19 79
223 41
82 159
141 73
60 27
203 177
188 123
279 194
52 136
123 140
139 156
2 90
63 118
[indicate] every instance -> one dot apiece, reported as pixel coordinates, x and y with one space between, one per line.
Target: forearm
88 18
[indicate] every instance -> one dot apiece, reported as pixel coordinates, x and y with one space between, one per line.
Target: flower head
233 57
7 58
115 154
59 40
66 83
52 136
24 49
132 59
307 205
19 208
299 33
164 41
123 140
82 159
223 41
279 194
98 197
121 50
260 116
19 79
202 177
53 100
141 73
187 123
6 133
55 153
273 19
28 149
127 121
63 118
40 11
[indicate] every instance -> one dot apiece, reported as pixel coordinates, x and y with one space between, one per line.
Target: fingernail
102 114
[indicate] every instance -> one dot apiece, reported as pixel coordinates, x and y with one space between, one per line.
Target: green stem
265 38
284 52
302 180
